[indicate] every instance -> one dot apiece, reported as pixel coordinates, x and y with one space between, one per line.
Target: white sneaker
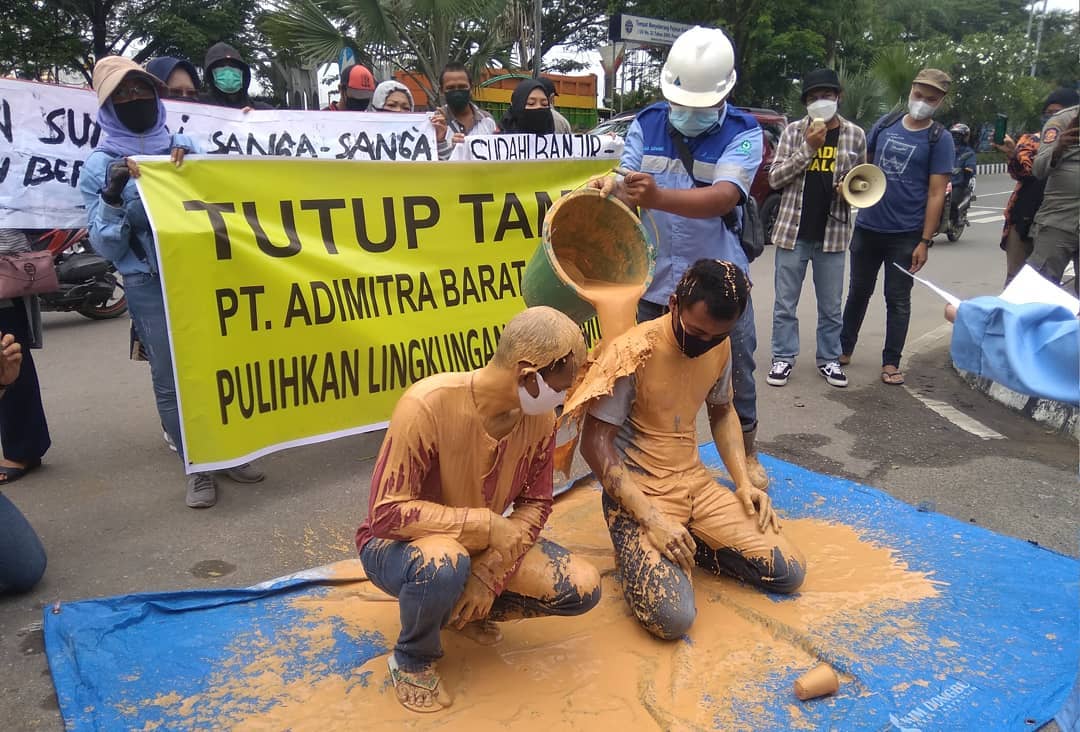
779 373
833 373
168 441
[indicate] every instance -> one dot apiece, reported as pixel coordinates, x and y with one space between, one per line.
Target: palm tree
413 35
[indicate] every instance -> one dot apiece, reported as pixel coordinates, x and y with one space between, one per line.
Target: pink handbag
27 273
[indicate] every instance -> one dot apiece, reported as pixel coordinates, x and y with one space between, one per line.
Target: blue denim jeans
428 575
870 251
22 558
147 306
743 345
828 272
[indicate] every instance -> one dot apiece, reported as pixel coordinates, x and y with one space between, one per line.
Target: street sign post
644 31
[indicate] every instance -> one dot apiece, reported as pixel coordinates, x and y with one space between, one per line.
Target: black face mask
537 121
138 115
458 99
357 105
690 345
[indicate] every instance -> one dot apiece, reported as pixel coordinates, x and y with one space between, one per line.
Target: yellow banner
304 296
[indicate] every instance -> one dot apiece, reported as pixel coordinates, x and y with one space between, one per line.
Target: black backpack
752 233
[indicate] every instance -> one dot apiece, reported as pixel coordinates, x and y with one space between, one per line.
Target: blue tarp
1008 606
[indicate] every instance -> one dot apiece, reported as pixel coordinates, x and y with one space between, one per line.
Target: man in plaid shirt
814 224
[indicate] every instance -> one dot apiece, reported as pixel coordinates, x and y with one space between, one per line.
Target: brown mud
598 670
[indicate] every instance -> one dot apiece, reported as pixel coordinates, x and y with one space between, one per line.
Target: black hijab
529 121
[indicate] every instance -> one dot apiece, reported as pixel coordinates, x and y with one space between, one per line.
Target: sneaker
201 490
243 473
168 441
833 374
779 373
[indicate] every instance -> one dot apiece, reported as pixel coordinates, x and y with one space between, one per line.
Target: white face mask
544 402
822 109
920 110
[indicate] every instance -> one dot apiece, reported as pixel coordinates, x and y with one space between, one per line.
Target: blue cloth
119 141
730 151
147 305
1033 349
122 233
904 156
828 272
22 558
998 645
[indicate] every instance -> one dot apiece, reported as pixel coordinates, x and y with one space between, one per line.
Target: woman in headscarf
392 96
530 110
132 120
181 77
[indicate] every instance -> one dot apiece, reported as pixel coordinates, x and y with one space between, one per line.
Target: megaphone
863 186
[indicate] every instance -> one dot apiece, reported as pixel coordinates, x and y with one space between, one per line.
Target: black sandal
10 474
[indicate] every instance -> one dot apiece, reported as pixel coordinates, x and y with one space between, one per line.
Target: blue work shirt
904 156
112 229
729 151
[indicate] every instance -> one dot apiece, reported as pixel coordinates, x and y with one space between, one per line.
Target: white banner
47 131
537 147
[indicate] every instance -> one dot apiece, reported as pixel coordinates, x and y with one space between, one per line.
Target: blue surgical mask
692 122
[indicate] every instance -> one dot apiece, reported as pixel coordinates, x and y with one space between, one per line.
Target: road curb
991 169
1058 416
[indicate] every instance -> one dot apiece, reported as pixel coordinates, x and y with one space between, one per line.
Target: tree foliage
39 37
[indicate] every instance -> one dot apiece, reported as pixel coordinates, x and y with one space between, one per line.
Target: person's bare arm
935 203
728 438
669 537
10 360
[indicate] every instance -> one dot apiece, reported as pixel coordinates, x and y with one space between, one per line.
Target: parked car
772 126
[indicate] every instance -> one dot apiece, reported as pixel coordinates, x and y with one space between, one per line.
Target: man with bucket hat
813 225
690 161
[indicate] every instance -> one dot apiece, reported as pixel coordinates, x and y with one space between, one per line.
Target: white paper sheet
1030 286
947 296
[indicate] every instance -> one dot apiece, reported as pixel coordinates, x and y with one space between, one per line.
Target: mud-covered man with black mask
227 79
664 509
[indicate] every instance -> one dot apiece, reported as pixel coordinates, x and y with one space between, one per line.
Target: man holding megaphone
815 168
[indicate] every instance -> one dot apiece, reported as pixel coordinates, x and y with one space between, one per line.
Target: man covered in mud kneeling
461 448
664 509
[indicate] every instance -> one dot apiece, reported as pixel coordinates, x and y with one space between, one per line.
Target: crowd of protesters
707 152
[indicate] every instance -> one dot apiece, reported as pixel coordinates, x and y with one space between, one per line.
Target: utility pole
1038 36
537 20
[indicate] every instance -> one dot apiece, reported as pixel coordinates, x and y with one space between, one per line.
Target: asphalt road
109 502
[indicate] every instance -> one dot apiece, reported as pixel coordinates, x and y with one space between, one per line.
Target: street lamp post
537 18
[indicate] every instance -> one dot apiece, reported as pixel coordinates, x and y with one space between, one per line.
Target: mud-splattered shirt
440 473
646 385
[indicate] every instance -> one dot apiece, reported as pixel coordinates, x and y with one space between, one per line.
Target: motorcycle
955 211
89 284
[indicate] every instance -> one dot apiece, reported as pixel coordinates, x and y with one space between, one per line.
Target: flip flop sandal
428 681
12 474
892 378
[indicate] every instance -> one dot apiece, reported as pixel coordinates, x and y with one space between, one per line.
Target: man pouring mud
664 510
461 448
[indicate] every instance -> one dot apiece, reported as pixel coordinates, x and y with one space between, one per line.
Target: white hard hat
700 68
